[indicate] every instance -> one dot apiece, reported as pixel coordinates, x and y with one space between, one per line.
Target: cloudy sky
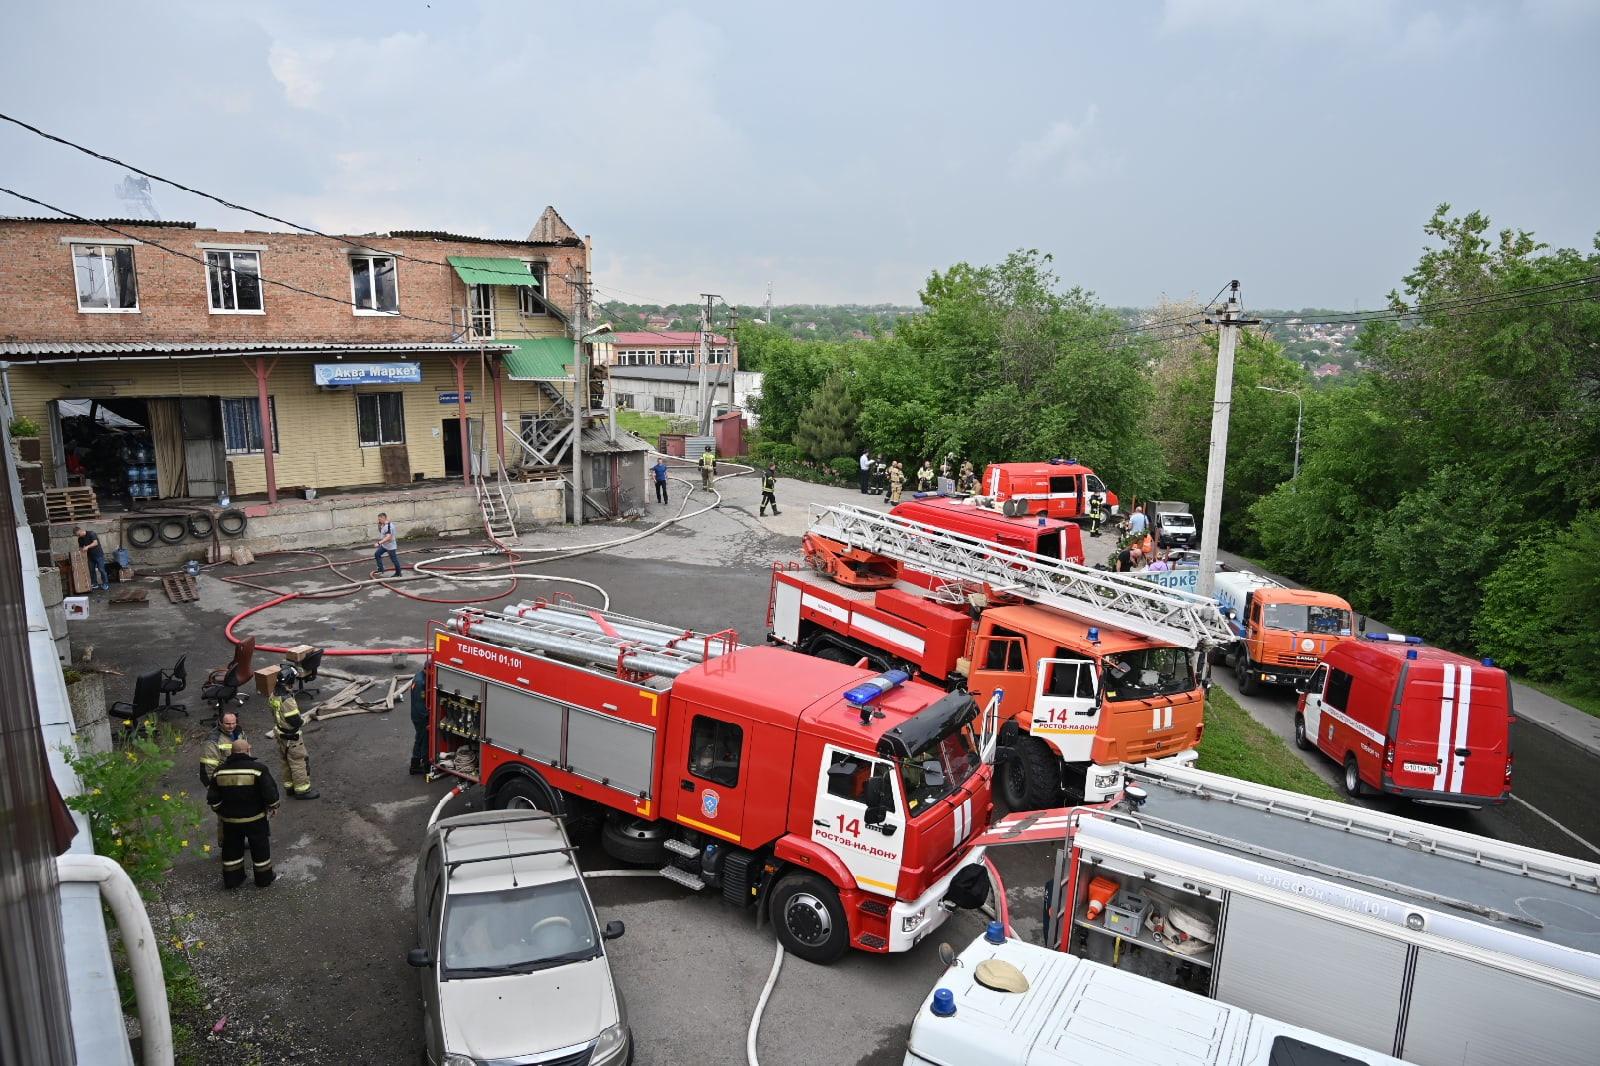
841 150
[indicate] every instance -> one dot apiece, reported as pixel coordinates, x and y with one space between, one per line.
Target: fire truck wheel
1247 679
634 841
1301 741
1352 778
1030 779
523 794
809 919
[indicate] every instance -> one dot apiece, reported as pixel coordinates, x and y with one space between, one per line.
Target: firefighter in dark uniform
769 490
1097 514
245 796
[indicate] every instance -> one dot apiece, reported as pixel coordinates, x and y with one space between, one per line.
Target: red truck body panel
1059 490
1051 537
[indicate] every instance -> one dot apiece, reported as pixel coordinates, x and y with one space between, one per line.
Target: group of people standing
887 478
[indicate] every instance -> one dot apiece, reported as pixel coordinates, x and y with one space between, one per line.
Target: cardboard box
80 571
298 653
77 607
266 680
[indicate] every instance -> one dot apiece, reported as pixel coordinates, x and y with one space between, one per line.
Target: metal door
203 455
706 781
1066 706
860 817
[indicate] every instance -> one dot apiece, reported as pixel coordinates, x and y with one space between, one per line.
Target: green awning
538 358
479 271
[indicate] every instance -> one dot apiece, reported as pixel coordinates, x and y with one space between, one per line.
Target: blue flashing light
1041 521
872 688
1411 653
1488 662
1392 638
1094 634
995 933
944 1003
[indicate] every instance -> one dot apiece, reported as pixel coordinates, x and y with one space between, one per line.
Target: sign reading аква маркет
336 375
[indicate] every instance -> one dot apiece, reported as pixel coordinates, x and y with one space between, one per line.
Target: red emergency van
1411 721
1050 537
1061 488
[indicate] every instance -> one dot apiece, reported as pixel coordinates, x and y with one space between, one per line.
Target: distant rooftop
656 338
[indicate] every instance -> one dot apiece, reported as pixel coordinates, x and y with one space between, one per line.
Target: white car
513 962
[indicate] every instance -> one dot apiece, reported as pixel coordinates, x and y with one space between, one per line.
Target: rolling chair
307 671
146 700
173 681
221 693
243 653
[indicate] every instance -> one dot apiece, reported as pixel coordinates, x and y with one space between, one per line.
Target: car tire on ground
1301 741
141 534
809 919
1030 777
1351 779
1248 686
634 841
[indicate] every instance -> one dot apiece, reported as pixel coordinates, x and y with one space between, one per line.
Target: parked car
1173 525
511 956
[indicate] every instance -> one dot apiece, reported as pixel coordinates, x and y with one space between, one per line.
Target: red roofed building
662 348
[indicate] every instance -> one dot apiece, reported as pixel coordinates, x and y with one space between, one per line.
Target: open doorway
131 450
451 428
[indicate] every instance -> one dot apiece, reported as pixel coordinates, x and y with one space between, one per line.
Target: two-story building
159 359
666 348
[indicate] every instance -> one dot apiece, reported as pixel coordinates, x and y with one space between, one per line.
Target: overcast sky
841 150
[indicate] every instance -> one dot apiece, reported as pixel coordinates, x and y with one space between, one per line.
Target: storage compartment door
1469 1014
786 612
1312 972
527 724
608 750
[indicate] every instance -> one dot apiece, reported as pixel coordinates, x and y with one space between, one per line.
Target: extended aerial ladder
596 639
1169 616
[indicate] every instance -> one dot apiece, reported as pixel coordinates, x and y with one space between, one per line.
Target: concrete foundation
339 521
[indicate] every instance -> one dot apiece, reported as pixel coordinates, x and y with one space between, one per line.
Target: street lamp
1298 420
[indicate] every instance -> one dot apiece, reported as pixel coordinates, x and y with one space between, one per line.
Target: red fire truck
978 516
1096 669
835 802
1061 488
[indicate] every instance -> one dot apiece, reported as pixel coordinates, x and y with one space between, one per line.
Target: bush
1539 605
846 467
23 426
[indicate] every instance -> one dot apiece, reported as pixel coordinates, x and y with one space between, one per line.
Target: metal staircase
1121 602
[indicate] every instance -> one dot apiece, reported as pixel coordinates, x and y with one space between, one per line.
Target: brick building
249 362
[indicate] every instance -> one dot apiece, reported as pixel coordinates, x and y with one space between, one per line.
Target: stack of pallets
71 505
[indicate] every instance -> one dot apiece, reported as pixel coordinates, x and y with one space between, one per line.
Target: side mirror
419 957
1361 625
613 930
876 814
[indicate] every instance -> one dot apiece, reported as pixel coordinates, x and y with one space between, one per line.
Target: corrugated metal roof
441 235
63 221
12 349
597 441
657 338
478 270
714 371
538 359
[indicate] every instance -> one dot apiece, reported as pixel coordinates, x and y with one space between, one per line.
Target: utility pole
580 398
769 303
1221 406
705 358
1299 420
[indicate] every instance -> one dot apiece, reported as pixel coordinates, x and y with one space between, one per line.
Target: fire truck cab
1049 537
1283 633
1061 488
836 802
1412 721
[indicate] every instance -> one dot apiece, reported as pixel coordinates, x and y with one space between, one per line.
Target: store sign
454 397
1185 580
340 375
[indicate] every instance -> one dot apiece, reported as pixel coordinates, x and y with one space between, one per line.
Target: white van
1079 1013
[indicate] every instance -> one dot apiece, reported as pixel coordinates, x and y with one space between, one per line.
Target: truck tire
525 793
1301 741
1351 779
809 919
1030 778
1248 686
634 841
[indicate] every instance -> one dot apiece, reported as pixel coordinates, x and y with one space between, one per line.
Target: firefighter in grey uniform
244 795
287 723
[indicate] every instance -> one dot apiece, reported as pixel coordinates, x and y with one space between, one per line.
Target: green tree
827 427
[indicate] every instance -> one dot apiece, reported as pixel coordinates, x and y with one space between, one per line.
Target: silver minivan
512 958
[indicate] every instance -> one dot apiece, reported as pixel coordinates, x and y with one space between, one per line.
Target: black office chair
146 700
308 668
223 692
174 680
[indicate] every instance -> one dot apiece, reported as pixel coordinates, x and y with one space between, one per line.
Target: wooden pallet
180 588
70 505
130 598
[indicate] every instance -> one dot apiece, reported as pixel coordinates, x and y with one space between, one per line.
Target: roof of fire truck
963 505
784 688
1054 625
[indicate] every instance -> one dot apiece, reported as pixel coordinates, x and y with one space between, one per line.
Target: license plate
1422 767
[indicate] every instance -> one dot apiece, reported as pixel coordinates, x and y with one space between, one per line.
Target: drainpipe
149 986
499 410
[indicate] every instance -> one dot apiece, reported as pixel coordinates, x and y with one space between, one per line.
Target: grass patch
643 424
1239 746
1586 701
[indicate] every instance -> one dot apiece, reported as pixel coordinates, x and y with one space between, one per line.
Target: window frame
671 407
103 247
540 270
480 309
738 762
622 399
369 258
877 769
253 403
1010 640
376 397
1341 703
261 292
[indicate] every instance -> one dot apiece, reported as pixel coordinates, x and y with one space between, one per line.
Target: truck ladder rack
560 638
1160 614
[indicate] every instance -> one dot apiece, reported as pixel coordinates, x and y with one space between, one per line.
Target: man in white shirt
866 472
1138 522
386 545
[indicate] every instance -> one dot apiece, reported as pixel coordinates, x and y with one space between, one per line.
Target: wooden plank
180 588
71 504
130 598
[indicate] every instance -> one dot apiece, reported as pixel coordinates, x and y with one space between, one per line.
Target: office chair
146 700
223 692
174 680
307 669
243 653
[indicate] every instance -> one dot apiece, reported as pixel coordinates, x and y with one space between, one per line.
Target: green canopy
537 358
475 270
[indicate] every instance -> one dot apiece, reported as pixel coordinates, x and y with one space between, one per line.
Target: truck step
681 847
682 877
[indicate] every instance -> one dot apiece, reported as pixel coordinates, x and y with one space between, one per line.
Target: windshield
518 930
1301 618
1139 675
939 767
1177 521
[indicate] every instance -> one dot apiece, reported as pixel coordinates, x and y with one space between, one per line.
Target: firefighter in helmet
244 795
288 723
1097 514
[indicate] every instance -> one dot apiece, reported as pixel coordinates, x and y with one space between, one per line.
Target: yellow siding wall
510 322
319 446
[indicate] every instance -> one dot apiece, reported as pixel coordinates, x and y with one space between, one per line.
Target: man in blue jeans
660 472
385 544
89 540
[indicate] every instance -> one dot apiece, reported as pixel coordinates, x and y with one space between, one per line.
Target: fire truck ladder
594 638
1161 614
